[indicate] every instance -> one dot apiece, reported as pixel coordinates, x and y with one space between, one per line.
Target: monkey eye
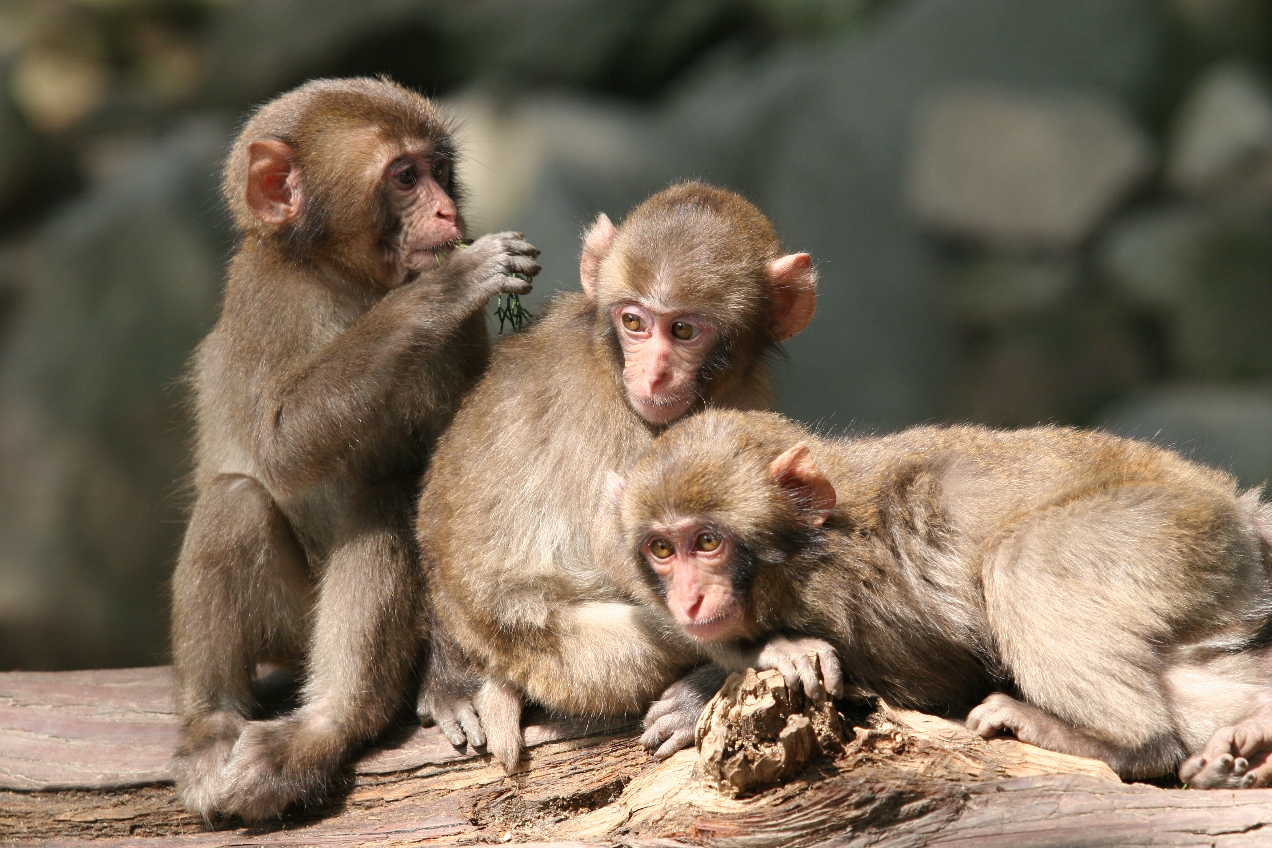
406 177
683 330
661 548
707 541
633 322
440 170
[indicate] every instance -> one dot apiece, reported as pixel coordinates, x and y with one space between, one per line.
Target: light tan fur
526 580
1117 591
340 354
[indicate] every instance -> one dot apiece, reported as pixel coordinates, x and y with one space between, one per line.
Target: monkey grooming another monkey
347 335
1120 592
527 581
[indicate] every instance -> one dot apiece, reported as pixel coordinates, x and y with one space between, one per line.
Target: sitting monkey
1117 591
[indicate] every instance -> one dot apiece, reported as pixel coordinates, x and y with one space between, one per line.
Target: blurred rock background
1054 211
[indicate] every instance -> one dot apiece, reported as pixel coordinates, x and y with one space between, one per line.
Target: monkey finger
448 724
662 708
657 733
524 248
787 669
682 738
832 674
808 676
471 725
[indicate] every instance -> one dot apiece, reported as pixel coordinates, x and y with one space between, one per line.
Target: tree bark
83 758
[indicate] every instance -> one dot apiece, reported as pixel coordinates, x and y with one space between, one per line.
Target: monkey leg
1001 714
1238 756
362 649
1071 595
239 596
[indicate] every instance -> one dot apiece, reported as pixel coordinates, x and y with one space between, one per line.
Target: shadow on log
82 759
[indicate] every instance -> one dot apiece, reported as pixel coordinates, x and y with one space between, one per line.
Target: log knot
757 732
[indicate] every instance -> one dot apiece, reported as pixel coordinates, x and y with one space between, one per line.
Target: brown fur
1118 590
340 354
517 543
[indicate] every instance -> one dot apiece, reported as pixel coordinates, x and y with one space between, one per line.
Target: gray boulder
1022 171
1221 145
122 285
817 137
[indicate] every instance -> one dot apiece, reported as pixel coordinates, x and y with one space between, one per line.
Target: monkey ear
273 183
596 244
615 486
793 291
796 472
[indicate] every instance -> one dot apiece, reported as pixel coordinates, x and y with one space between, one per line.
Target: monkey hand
454 713
793 657
673 718
279 762
499 263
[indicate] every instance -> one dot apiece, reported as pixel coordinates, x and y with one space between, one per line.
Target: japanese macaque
350 327
528 584
1115 592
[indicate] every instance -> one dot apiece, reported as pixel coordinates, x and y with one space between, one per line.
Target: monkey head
689 292
353 174
714 512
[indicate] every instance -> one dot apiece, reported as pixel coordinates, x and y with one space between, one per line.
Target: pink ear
796 472
793 291
597 243
273 185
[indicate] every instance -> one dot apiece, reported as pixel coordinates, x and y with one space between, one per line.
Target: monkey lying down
1119 592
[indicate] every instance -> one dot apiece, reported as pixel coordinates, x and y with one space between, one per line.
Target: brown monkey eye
633 322
683 330
441 170
661 548
407 177
707 541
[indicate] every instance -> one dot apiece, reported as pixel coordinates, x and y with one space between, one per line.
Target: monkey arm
395 363
594 657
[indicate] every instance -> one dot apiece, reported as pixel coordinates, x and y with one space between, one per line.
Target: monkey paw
205 749
278 763
1236 757
793 657
673 718
498 263
1003 715
454 714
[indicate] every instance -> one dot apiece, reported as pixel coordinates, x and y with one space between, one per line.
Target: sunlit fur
523 558
317 398
1118 590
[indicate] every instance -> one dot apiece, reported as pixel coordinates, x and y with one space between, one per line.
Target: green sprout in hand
509 309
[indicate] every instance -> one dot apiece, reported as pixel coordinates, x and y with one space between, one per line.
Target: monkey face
663 355
416 185
694 561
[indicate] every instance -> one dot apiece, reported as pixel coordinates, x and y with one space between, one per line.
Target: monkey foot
205 749
278 763
672 720
455 716
1236 757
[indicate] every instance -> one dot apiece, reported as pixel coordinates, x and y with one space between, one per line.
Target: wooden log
83 759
